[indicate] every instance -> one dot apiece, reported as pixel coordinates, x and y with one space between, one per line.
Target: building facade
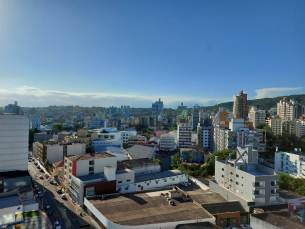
101 145
290 109
205 136
184 134
13 109
167 142
275 122
14 137
195 116
240 105
256 116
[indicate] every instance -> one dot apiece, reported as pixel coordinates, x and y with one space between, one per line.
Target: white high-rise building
292 109
34 121
14 137
275 123
167 142
256 116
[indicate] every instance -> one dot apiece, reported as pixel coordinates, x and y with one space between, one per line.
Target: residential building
127 134
295 127
157 109
54 151
290 109
256 116
167 142
82 165
96 123
13 109
101 115
58 167
195 116
141 151
82 136
275 122
245 178
14 137
240 105
222 115
111 110
184 134
34 119
153 141
205 136
136 140
80 116
101 145
292 163
145 215
272 111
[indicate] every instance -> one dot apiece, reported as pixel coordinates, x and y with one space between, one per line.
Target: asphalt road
63 210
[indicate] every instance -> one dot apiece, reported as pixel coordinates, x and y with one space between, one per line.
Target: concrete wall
100 163
257 223
82 168
145 169
14 136
30 207
55 153
76 149
125 178
228 195
110 225
198 183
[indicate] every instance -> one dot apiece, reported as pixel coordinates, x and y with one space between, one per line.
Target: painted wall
30 207
125 178
7 215
76 149
54 153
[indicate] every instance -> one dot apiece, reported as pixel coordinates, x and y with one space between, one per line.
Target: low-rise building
53 151
81 165
292 163
58 167
141 151
140 166
245 178
51 134
167 142
136 140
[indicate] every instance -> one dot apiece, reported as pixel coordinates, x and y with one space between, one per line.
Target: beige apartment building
275 123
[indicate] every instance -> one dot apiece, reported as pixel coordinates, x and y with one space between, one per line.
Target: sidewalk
46 219
85 216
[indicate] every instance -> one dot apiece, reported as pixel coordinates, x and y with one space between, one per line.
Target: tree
174 127
57 126
46 164
159 161
139 126
90 149
176 159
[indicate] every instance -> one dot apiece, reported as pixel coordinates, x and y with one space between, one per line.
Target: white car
39 194
63 196
57 225
40 176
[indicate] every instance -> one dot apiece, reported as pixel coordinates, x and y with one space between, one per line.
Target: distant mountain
267 103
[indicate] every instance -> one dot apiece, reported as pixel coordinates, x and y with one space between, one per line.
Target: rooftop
160 175
144 208
123 171
140 151
11 201
59 164
206 197
288 194
89 156
90 177
204 225
129 164
223 207
283 220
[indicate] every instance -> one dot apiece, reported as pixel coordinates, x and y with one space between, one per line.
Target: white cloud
273 92
34 97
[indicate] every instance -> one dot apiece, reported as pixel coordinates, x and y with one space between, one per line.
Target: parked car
188 183
36 187
39 194
41 170
46 176
63 196
184 184
40 176
57 225
33 160
49 210
58 190
30 160
50 181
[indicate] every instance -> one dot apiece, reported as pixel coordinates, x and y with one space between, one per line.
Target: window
237 183
91 169
273 191
222 169
256 184
128 180
139 186
165 180
222 176
126 188
173 179
157 182
91 162
256 192
119 182
147 184
237 175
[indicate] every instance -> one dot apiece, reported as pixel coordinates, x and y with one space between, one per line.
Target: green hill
267 103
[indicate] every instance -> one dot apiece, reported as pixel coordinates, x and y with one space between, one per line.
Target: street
63 210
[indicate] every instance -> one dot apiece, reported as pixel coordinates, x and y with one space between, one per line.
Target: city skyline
101 53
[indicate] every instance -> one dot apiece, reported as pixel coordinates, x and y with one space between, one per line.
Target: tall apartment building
13 109
222 115
14 142
237 134
240 105
290 109
167 142
275 122
157 108
184 134
112 110
205 136
34 121
195 116
256 116
246 178
96 123
295 127
290 163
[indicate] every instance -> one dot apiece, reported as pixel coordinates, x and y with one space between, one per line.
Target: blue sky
102 53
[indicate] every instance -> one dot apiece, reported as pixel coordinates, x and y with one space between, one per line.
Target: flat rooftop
287 194
144 208
88 156
206 197
214 208
15 173
159 175
11 201
92 177
140 151
135 163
